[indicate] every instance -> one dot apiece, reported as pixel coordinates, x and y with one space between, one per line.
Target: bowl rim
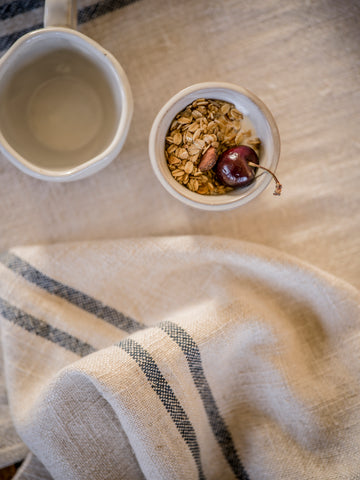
203 203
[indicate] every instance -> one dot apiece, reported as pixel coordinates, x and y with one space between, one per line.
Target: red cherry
233 168
237 167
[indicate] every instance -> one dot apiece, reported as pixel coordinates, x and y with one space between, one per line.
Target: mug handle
60 13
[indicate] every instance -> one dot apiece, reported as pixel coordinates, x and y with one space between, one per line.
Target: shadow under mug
65 102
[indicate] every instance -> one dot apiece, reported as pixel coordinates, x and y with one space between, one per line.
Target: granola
198 135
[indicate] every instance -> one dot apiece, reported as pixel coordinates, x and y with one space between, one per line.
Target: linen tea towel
179 358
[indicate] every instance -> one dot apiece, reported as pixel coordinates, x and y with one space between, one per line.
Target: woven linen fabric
301 57
180 358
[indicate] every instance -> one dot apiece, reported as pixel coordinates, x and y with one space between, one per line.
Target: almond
208 160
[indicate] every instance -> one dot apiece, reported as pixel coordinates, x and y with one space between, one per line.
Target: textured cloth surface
180 358
300 57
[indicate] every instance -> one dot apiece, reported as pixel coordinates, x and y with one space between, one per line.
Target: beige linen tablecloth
302 59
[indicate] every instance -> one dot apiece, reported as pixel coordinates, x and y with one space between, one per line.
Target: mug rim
112 150
204 202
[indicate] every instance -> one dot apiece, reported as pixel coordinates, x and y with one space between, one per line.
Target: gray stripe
166 395
71 295
16 7
101 8
44 330
219 428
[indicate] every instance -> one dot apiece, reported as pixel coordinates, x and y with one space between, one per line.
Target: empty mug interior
59 102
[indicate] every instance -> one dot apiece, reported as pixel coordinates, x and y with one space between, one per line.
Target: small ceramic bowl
251 107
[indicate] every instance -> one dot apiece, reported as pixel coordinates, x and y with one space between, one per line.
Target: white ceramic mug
65 102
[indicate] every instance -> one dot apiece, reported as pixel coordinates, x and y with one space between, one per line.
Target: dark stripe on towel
219 428
71 295
86 14
166 395
42 329
17 7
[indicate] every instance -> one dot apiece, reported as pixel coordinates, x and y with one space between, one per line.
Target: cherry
237 167
233 169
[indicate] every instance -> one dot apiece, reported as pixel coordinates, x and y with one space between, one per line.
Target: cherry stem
278 185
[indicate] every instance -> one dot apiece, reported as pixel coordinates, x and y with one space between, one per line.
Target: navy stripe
71 295
17 7
219 428
44 330
166 395
84 15
101 8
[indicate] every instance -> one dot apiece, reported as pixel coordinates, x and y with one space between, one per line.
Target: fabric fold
180 357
